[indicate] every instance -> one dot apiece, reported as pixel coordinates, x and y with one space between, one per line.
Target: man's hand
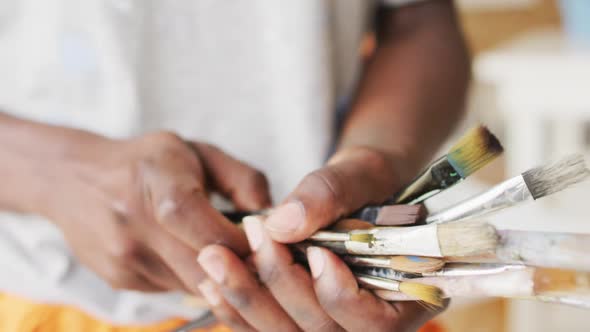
137 212
285 297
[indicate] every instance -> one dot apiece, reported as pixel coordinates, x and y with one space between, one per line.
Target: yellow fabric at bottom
21 315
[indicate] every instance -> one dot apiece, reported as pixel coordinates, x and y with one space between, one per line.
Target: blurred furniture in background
510 40
541 82
576 19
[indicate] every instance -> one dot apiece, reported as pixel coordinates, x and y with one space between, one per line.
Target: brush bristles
474 150
415 264
426 293
362 237
467 238
546 180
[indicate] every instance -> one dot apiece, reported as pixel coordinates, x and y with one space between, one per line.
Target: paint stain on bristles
474 150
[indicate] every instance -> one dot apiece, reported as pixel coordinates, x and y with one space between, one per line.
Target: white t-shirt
259 78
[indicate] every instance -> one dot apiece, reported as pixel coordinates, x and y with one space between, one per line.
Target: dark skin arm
410 97
413 88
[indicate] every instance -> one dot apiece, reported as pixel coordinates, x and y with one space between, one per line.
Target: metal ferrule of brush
328 236
452 270
437 177
503 195
387 273
368 213
367 261
377 282
464 270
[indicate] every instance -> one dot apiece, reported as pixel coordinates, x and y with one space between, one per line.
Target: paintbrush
474 150
412 264
543 249
237 216
573 300
522 282
392 215
452 239
421 292
449 270
389 215
530 185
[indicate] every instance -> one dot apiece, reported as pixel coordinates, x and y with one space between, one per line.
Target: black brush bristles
474 150
546 180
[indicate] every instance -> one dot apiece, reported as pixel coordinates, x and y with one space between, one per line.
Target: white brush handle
417 241
503 195
557 250
575 300
513 284
517 283
542 249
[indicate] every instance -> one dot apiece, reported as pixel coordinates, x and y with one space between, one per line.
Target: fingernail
254 232
207 288
286 218
317 260
213 265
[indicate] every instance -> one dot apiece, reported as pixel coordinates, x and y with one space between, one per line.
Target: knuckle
376 160
328 184
165 138
119 279
164 144
120 284
327 324
269 275
124 250
173 206
154 148
255 180
240 297
207 148
335 301
381 169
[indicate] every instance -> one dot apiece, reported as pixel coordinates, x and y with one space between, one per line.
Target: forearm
32 155
413 88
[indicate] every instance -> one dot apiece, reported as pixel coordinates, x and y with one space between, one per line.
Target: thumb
352 178
244 185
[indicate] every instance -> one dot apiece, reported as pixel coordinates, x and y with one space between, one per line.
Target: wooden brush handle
346 225
561 281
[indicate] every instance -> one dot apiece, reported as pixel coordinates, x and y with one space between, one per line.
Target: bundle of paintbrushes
404 253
